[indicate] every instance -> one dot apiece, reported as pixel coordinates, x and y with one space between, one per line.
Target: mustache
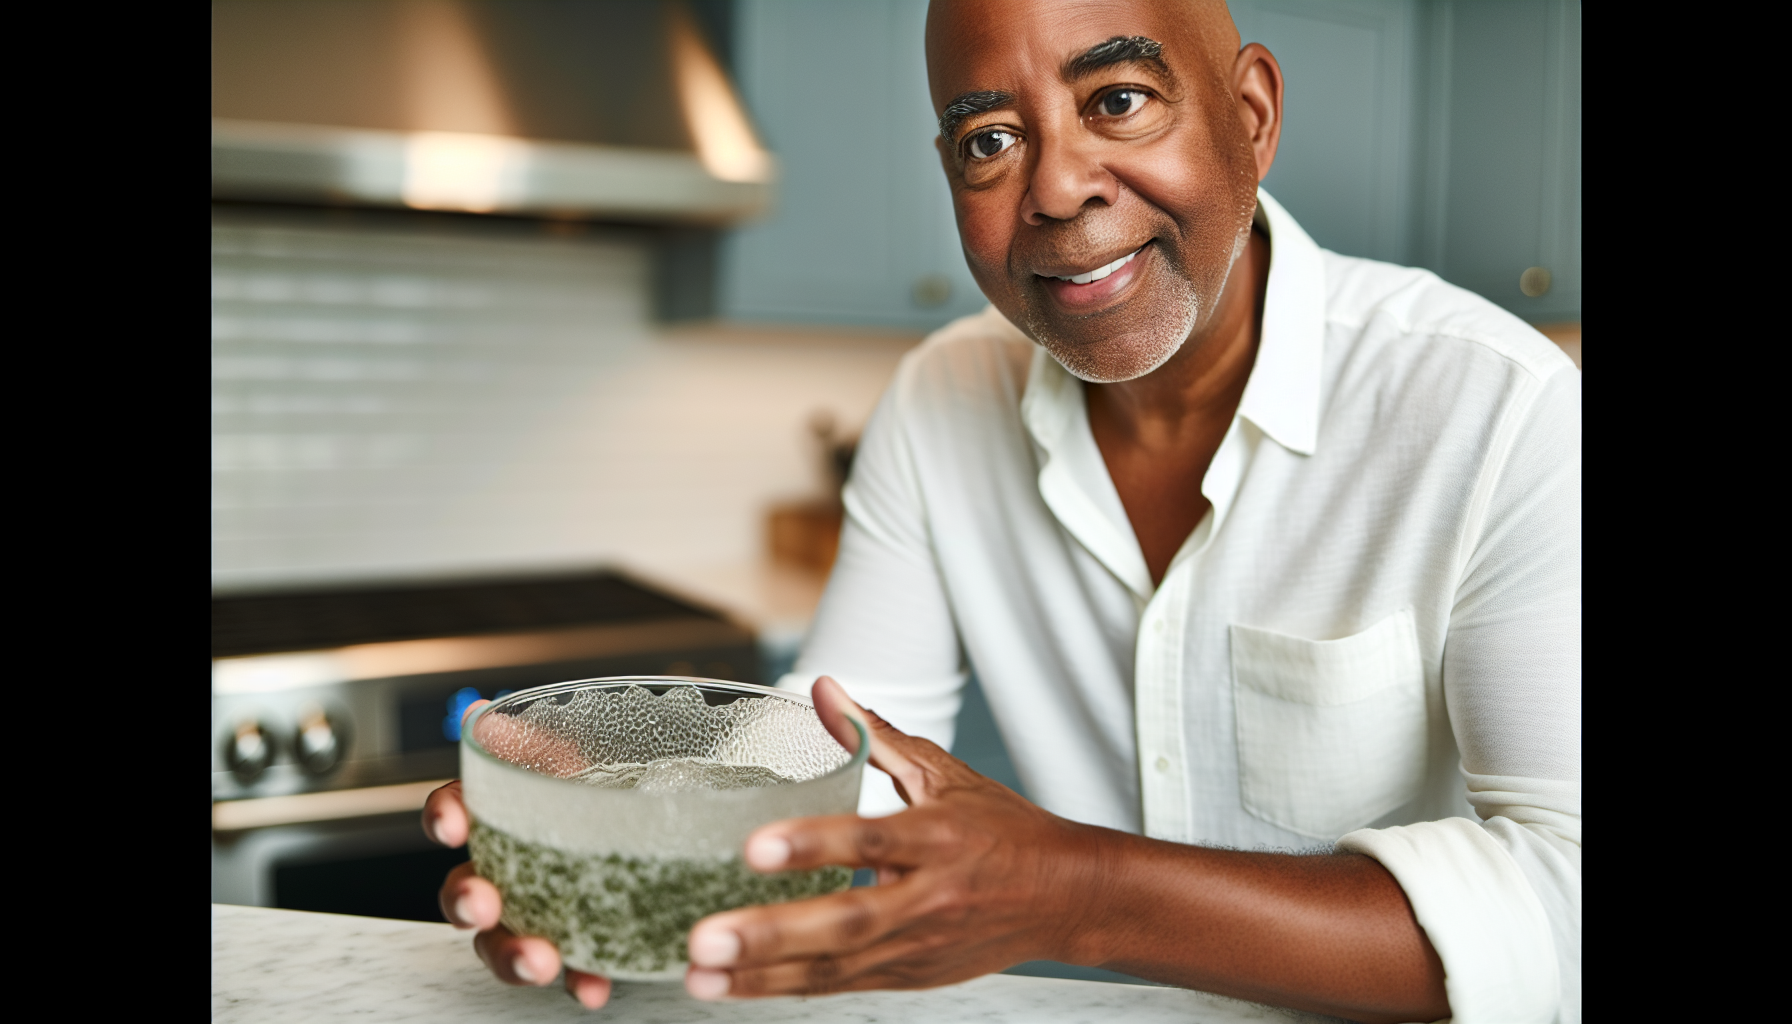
1095 235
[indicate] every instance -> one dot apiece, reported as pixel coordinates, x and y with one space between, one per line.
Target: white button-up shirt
1371 640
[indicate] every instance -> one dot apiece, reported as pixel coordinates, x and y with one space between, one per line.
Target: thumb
890 746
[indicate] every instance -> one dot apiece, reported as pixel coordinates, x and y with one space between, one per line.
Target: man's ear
1257 83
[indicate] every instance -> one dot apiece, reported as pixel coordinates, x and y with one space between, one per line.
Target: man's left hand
972 879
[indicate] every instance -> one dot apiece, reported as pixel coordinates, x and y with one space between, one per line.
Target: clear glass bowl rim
534 693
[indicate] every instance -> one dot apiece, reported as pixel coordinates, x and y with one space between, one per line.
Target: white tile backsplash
396 400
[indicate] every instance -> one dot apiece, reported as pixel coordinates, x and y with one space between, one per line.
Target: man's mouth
1089 277
1093 289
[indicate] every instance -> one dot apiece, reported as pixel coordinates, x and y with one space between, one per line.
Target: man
1254 548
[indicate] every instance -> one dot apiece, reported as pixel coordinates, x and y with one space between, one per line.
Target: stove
335 711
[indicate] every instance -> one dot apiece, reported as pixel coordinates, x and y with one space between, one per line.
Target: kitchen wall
403 395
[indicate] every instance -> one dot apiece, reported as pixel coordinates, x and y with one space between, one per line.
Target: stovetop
348 687
337 617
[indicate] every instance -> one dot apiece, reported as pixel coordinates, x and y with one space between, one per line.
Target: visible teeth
1100 272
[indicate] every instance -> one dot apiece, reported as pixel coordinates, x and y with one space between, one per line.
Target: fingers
518 959
829 925
834 707
902 840
867 969
470 708
592 991
469 901
445 817
904 757
520 741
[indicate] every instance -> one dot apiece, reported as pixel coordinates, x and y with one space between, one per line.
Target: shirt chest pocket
1331 733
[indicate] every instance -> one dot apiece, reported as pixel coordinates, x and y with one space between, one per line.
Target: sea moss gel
610 813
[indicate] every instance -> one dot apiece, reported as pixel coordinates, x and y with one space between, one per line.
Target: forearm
1332 934
973 879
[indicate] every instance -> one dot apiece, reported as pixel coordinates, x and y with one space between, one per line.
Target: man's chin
1124 341
1126 351
1114 360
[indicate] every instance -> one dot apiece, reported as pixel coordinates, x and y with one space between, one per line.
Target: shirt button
1163 764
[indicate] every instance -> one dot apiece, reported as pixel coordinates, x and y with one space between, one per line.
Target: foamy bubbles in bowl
594 734
679 775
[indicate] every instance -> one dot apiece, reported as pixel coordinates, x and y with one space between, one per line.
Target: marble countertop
271 966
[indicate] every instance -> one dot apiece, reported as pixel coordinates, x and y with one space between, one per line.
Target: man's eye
988 144
1121 102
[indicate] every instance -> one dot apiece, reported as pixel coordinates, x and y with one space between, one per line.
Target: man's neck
1158 434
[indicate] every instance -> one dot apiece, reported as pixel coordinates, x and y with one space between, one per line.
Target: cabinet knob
1534 281
932 290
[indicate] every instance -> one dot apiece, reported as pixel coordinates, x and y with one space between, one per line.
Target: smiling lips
1102 271
1092 287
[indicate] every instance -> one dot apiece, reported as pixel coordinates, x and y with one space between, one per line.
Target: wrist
1094 905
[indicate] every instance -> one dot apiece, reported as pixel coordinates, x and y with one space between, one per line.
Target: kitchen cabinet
863 231
1346 163
1444 135
1506 153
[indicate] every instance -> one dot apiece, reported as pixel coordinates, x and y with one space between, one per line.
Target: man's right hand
469 901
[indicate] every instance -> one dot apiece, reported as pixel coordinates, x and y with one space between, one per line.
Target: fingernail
715 947
706 984
767 852
520 967
434 827
464 917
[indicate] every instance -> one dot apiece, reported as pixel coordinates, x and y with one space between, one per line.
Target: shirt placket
1158 692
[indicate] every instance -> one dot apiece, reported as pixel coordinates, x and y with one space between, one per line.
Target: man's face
1103 180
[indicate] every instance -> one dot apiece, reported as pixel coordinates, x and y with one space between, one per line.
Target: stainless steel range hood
562 108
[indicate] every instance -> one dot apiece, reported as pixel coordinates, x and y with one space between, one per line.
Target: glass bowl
611 813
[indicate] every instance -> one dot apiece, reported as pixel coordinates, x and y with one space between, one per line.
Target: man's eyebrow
966 104
1118 50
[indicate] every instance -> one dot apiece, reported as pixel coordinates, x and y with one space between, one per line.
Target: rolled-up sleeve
1500 899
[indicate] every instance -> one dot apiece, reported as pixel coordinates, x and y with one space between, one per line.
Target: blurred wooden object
1565 335
805 533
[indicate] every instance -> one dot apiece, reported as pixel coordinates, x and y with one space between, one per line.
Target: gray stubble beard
1102 364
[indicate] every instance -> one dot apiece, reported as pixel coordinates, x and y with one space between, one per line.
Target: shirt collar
1073 479
1282 396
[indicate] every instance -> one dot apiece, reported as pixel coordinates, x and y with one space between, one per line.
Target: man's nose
1066 175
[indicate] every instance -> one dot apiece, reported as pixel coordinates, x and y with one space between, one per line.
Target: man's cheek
986 220
986 253
994 285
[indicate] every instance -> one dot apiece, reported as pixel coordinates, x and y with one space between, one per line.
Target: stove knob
321 742
248 751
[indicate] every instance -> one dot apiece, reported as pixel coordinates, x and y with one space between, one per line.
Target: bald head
1115 141
1205 29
